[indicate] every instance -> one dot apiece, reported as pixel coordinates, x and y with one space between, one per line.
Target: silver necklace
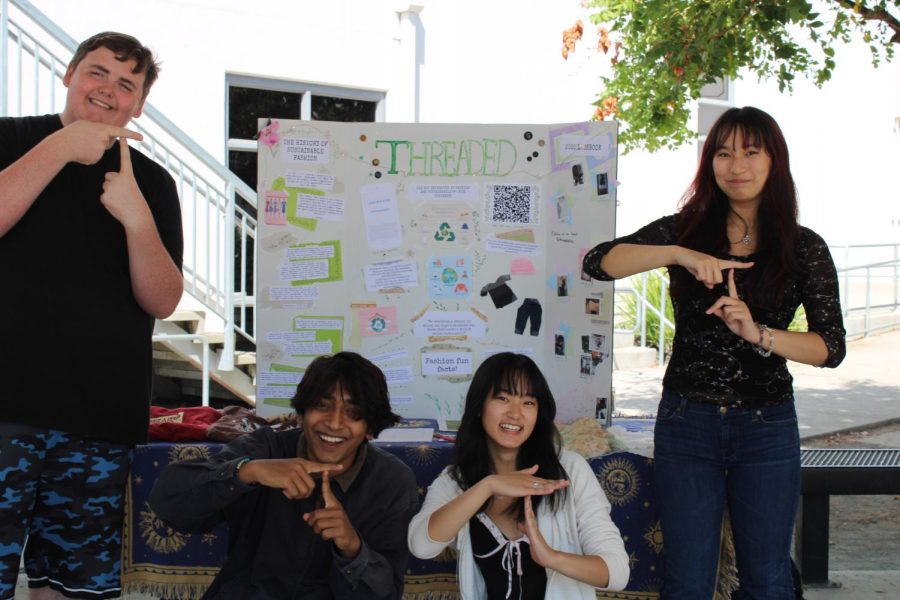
746 239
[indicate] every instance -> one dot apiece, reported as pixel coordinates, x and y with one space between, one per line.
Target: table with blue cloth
160 561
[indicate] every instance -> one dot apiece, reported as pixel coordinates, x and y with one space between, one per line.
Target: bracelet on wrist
243 461
765 352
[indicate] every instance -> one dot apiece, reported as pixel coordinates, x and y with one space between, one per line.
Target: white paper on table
406 434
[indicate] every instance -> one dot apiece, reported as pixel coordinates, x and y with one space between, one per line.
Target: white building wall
498 61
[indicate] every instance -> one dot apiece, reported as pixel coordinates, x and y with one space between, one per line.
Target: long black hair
705 208
513 374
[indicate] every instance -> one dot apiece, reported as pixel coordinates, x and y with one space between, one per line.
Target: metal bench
826 472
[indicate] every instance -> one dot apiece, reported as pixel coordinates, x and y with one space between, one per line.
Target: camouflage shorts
65 495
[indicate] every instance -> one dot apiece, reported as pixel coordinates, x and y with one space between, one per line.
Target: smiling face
741 168
334 428
508 419
103 89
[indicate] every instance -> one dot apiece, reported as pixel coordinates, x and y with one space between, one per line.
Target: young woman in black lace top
726 430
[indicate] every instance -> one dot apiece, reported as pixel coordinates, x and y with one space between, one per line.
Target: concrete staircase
627 355
180 343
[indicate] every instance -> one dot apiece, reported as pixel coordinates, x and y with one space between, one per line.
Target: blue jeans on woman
707 458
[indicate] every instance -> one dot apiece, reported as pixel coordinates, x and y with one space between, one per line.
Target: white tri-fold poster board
427 248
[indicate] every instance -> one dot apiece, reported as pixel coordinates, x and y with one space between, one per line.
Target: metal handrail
644 305
204 357
215 226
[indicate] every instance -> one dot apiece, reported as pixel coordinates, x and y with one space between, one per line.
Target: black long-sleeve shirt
711 364
272 553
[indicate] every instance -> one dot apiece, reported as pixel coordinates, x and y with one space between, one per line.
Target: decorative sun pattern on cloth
620 480
651 587
159 536
187 452
421 455
654 537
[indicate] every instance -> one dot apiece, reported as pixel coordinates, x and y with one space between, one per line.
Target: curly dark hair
357 377
126 48
514 374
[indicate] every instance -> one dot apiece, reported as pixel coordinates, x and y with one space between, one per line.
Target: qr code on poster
512 204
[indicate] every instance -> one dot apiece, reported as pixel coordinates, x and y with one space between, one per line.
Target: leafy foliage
629 310
665 51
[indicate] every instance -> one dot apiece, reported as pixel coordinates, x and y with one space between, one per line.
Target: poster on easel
429 247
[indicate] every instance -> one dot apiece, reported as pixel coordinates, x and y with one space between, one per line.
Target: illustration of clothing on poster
501 294
449 277
530 310
276 208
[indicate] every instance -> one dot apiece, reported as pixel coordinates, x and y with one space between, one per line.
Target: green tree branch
666 51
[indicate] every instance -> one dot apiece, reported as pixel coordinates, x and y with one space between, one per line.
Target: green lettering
488 157
414 157
394 144
451 166
512 163
438 157
475 170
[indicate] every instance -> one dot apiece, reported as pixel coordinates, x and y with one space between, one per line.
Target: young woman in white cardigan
528 519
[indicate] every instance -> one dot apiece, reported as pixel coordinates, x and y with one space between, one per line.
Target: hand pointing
332 523
735 313
121 195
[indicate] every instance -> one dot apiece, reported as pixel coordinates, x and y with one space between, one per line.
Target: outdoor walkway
863 390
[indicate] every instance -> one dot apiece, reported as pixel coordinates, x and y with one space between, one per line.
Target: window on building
252 98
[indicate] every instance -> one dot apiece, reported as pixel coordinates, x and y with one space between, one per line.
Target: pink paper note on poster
380 320
276 208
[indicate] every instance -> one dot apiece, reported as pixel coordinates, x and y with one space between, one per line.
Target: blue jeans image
707 458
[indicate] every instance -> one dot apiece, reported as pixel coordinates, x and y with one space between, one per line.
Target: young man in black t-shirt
90 255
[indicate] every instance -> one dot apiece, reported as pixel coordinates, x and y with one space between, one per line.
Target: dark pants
530 309
707 458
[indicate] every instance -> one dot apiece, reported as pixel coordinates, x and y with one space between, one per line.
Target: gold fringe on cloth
727 575
174 591
438 586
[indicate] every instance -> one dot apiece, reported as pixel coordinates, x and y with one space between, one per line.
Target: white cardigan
582 525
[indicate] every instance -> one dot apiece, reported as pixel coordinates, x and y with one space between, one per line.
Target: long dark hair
514 374
704 208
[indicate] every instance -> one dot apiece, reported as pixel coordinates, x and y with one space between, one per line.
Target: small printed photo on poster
602 180
562 286
586 365
563 209
598 342
276 208
600 408
577 175
585 343
592 306
559 344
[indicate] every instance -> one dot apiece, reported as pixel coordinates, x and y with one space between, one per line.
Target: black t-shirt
75 350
